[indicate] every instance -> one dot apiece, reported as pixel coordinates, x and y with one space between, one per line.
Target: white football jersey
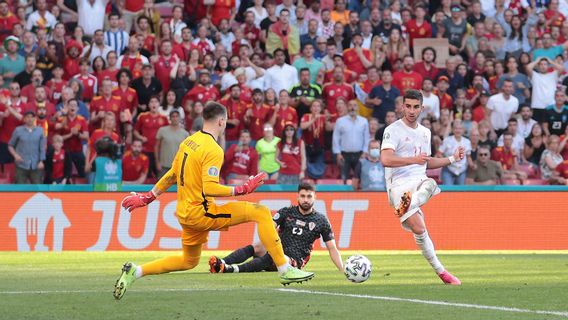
406 142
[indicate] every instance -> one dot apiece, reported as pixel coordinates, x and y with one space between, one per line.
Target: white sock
283 268
425 243
235 268
138 272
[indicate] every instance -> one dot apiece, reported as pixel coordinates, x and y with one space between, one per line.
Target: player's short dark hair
306 186
213 110
413 94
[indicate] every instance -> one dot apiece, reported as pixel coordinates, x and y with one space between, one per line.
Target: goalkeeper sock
240 255
427 246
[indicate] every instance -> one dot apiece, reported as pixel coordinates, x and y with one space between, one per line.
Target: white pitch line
431 302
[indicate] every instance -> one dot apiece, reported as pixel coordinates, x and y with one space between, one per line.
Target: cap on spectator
239 71
486 93
443 78
456 8
12 38
73 44
29 112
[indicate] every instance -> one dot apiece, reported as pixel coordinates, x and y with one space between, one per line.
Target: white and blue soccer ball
358 268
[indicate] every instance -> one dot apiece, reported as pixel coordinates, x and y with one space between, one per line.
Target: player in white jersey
406 155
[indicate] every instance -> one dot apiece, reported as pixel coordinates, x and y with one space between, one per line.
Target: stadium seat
78 180
270 181
509 182
331 172
330 181
535 182
530 169
435 174
8 173
150 181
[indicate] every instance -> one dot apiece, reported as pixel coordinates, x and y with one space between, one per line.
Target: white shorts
395 193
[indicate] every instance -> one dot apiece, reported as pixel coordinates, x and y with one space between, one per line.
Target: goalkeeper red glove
137 200
251 184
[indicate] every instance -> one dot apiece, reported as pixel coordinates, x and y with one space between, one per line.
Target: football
357 268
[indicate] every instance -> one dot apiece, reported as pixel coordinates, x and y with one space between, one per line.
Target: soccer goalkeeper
299 226
195 170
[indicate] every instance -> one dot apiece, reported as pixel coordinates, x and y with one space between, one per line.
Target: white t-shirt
431 105
258 16
91 17
525 128
543 88
449 146
501 110
280 78
406 142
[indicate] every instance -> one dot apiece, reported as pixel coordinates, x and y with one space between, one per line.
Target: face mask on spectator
375 153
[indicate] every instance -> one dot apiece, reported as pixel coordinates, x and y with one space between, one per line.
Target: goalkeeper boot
295 275
449 278
216 265
126 279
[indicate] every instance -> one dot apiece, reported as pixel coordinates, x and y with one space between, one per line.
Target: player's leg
240 255
241 212
415 223
414 198
263 263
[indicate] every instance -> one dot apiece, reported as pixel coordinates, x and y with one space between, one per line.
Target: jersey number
181 182
297 231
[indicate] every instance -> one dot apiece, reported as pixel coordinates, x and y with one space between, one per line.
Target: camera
106 147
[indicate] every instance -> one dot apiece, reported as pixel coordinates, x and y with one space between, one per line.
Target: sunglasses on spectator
484 154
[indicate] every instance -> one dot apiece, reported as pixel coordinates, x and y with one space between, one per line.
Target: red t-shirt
202 94
348 76
333 91
259 117
89 82
49 107
420 67
7 25
149 43
316 131
56 88
111 74
507 158
252 30
221 10
235 110
404 81
148 125
133 5
133 167
352 61
246 94
291 156
163 67
416 32
478 113
70 68
134 64
244 162
58 165
10 123
182 51
129 98
285 115
95 136
562 169
29 93
99 103
73 144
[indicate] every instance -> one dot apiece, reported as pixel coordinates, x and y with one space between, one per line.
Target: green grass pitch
78 285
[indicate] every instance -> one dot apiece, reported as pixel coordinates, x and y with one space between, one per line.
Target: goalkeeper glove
251 184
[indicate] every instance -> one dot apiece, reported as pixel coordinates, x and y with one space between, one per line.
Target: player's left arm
334 254
434 163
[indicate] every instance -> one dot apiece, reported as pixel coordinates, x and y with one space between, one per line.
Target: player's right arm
390 159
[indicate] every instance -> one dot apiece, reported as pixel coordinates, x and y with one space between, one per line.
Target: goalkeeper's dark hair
214 110
306 186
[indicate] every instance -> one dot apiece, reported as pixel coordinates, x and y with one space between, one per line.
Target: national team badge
311 225
213 171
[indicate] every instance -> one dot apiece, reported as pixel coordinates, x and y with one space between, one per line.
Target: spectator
58 164
486 135
241 159
427 66
484 171
27 146
526 122
518 140
508 159
146 87
283 113
340 14
357 58
501 107
312 35
116 38
169 104
303 94
560 174
266 149
544 85
147 127
135 164
431 102
307 61
556 119
549 50
314 126
25 76
520 81
382 97
41 18
203 91
534 145
133 60
257 114
164 63
419 27
235 112
71 62
168 140
337 89
281 76
455 173
89 81
11 116
259 12
550 158
91 15
407 78
455 30
74 130
350 139
97 48
369 172
283 35
7 20
395 48
291 155
28 91
106 102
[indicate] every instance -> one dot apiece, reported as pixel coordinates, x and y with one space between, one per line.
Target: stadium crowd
309 86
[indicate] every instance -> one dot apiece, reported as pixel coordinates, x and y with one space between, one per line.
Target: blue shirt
30 144
387 98
351 135
371 175
550 53
83 111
